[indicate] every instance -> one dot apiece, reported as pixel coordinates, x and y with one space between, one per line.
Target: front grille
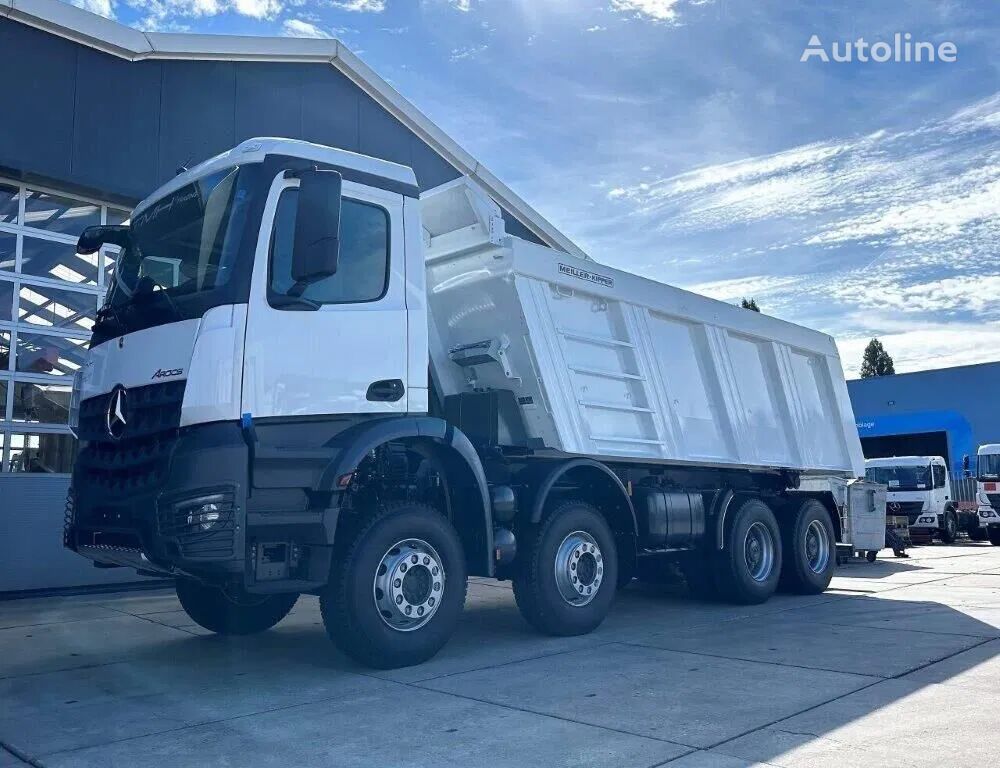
177 519
139 459
911 509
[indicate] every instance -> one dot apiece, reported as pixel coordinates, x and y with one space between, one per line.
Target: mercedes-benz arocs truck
308 378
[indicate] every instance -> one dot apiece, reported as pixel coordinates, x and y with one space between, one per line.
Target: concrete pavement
897 665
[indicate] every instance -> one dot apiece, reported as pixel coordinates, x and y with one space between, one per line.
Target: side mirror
107 234
316 245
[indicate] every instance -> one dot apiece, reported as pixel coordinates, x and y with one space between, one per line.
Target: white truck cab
988 494
918 487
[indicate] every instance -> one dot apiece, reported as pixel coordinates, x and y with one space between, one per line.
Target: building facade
946 412
97 115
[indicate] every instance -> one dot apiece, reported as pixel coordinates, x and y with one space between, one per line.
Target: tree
876 361
750 304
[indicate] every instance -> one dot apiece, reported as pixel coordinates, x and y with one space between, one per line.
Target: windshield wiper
284 301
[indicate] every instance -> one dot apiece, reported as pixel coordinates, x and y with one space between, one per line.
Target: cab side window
938 476
363 271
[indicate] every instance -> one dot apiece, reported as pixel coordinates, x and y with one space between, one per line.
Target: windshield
901 478
185 242
989 466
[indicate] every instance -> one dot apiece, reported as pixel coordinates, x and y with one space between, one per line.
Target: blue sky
684 140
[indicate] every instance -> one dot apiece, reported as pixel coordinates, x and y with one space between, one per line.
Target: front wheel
231 611
950 530
566 581
809 548
751 563
397 588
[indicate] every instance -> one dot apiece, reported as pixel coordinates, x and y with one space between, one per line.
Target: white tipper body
602 362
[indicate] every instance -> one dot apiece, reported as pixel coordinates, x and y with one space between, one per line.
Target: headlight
204 513
987 513
928 519
74 403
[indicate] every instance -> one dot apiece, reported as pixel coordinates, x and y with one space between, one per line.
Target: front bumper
147 510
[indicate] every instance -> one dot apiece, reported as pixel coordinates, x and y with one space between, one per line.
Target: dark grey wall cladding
91 121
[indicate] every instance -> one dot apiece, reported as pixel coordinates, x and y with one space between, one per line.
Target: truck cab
988 494
918 487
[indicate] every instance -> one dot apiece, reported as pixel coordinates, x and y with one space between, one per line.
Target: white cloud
360 6
300 28
167 15
461 5
466 52
597 28
658 10
104 8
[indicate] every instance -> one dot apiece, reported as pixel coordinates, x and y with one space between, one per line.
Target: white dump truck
309 378
987 494
918 487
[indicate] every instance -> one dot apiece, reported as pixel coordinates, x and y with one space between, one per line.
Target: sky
686 140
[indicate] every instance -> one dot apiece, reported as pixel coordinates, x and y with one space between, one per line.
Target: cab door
340 347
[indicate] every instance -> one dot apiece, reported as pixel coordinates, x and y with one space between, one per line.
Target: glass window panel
6 299
45 258
44 403
4 355
59 214
53 453
111 255
3 401
116 216
55 307
8 204
3 442
8 251
44 353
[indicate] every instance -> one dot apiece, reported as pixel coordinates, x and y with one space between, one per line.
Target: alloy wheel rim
579 568
409 585
758 551
817 547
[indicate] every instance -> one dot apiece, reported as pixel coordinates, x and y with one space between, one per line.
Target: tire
978 534
742 579
377 634
994 537
225 614
950 531
871 555
809 550
573 534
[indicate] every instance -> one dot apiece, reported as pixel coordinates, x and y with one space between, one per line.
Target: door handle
385 391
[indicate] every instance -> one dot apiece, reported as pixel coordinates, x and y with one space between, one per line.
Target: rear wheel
809 550
949 532
231 611
751 563
566 582
397 588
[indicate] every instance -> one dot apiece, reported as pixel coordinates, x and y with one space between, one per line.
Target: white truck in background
987 494
309 378
918 487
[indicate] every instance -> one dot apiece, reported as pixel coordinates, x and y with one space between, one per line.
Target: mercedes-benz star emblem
115 417
894 506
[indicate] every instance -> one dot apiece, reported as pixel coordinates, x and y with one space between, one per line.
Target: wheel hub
758 550
409 585
817 547
579 568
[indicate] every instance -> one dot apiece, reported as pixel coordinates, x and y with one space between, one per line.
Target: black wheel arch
465 478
